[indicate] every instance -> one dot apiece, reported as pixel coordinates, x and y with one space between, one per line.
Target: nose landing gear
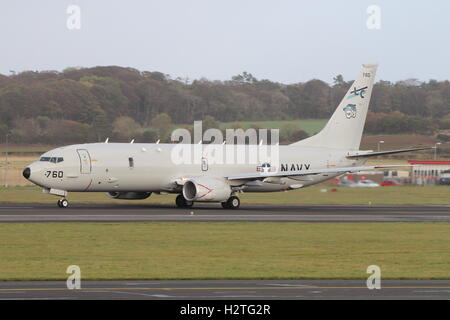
63 203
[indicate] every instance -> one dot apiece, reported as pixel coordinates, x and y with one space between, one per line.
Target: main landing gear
233 202
63 203
182 202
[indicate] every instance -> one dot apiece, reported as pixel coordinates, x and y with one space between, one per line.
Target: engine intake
129 195
206 189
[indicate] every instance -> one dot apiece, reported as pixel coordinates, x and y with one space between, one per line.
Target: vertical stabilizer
344 129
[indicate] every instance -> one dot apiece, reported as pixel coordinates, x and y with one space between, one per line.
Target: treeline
90 104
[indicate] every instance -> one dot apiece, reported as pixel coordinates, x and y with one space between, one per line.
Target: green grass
408 195
43 251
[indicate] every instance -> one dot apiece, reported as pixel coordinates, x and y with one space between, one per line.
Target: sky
288 41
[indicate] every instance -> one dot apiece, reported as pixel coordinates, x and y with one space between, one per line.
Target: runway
214 213
227 290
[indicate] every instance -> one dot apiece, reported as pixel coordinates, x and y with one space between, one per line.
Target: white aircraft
134 171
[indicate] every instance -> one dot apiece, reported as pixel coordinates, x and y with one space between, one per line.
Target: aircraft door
204 164
85 161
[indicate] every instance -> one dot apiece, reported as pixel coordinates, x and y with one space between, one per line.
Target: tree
162 123
66 132
244 77
101 126
150 135
3 131
125 128
339 80
98 96
209 123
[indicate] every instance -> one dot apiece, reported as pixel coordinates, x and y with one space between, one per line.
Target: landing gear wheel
63 203
182 202
232 203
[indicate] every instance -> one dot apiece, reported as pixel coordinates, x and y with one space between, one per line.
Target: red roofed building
430 172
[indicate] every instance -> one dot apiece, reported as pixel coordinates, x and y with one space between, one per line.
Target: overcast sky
285 41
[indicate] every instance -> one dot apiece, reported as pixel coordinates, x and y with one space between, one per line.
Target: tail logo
357 92
350 111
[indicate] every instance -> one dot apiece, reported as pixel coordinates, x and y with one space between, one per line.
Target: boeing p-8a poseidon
134 171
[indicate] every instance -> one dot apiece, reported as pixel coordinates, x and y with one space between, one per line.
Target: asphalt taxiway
227 289
214 213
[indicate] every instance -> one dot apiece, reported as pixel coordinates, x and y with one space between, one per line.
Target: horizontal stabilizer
363 154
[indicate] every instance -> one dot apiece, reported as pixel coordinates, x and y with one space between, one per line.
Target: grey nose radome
26 172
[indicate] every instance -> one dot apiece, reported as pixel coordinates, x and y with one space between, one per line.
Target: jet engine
206 189
129 195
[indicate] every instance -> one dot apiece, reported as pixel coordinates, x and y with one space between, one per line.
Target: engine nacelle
129 195
206 189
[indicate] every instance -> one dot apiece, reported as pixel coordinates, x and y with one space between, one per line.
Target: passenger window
131 162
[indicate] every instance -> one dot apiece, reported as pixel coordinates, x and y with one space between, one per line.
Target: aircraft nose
26 172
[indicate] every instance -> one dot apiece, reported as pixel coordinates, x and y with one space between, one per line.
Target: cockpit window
52 159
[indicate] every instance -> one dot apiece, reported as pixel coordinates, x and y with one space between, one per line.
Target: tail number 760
54 174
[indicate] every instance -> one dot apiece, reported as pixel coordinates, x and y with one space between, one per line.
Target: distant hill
94 103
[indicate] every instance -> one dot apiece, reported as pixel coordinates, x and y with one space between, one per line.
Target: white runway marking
289 285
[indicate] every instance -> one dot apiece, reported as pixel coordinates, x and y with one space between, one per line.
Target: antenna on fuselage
157 142
132 141
107 139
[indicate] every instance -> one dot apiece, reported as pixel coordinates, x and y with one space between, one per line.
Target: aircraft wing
365 154
263 175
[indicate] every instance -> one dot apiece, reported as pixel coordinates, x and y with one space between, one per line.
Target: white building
426 173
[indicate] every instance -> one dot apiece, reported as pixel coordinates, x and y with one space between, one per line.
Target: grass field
15 166
39 251
321 194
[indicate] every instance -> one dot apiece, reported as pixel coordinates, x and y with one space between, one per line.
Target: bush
397 122
443 137
65 132
292 133
299 135
162 124
150 135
